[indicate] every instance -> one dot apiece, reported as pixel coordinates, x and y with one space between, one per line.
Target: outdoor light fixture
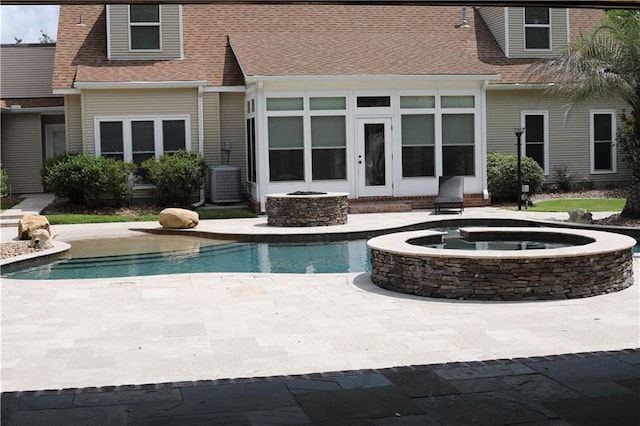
519 131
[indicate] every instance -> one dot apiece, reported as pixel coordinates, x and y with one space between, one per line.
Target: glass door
374 157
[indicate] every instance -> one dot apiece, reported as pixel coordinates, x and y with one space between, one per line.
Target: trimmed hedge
90 180
176 176
502 176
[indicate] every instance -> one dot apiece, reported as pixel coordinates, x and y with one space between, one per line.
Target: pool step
379 207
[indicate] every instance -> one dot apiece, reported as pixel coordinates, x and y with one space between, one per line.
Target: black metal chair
450 193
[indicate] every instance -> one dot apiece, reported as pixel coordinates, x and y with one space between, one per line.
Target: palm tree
600 67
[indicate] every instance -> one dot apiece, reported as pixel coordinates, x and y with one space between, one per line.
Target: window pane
602 127
145 37
142 138
537 38
534 128
173 135
457 160
329 164
417 102
284 104
139 158
536 15
327 103
458 129
144 13
111 137
602 156
286 165
418 129
373 101
536 151
251 150
457 101
328 131
418 161
285 132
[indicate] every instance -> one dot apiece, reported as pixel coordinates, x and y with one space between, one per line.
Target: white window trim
523 141
306 113
126 128
524 33
145 24
592 157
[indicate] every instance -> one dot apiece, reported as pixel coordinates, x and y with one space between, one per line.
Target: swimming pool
298 258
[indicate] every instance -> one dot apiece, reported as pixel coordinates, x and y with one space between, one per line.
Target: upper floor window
537 28
144 26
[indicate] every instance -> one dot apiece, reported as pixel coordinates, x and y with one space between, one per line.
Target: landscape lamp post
519 131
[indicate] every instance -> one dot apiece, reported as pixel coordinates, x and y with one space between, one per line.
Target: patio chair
450 193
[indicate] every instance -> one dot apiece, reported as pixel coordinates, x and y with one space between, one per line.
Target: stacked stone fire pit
307 208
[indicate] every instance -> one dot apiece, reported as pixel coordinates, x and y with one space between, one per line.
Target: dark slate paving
581 389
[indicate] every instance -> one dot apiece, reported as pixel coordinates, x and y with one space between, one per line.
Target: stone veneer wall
504 278
307 210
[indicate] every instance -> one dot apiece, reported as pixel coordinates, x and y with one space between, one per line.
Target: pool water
307 258
461 244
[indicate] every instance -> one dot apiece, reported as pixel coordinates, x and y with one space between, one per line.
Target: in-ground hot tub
307 209
589 263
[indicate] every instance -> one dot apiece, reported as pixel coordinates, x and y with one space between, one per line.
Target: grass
589 204
9 201
69 219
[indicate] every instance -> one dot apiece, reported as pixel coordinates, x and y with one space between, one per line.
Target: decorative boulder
30 223
41 239
179 218
580 215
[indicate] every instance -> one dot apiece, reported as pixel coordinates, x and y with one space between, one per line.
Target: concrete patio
168 345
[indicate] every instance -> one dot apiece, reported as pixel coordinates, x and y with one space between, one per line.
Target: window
458 144
286 148
373 101
144 26
328 147
537 28
535 138
252 167
136 139
307 138
603 130
418 145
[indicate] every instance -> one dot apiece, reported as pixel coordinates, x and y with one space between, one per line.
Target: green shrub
176 176
3 182
50 162
90 180
502 175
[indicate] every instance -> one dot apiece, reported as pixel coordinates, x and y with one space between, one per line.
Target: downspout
483 94
201 201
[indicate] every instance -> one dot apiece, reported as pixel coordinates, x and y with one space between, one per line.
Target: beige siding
569 143
232 129
137 103
73 130
211 121
494 18
169 30
26 71
21 146
559 26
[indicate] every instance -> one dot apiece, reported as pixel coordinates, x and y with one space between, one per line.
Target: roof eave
427 77
105 85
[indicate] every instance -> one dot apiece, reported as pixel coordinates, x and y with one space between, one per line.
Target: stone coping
603 242
59 250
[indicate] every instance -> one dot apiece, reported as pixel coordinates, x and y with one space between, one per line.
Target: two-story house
372 100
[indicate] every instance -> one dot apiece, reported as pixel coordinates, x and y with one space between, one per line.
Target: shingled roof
224 41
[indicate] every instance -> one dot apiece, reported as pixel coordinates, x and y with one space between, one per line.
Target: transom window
136 139
537 28
144 27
